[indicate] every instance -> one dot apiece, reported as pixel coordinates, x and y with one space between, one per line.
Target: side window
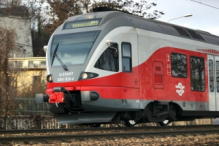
211 75
126 57
178 65
109 60
197 74
217 75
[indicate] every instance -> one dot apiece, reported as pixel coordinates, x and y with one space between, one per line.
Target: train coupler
57 96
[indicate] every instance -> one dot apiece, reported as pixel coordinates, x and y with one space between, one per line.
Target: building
29 72
17 20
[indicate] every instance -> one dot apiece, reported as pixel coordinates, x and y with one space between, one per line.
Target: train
114 67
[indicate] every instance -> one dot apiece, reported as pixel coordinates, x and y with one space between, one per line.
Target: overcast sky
204 17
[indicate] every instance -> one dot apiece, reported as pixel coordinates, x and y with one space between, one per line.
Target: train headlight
87 75
84 75
49 78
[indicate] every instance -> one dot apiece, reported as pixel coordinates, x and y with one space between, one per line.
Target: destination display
88 23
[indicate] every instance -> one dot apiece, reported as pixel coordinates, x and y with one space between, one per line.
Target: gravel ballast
185 139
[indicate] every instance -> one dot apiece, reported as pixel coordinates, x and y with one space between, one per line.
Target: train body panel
130 67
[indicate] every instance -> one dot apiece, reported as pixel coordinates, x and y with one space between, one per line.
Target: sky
205 18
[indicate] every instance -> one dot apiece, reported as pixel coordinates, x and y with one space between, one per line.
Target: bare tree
60 10
9 3
140 8
7 89
86 4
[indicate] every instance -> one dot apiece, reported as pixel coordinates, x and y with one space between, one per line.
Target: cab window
109 60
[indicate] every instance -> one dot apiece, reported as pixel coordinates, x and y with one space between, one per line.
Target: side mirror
45 48
110 43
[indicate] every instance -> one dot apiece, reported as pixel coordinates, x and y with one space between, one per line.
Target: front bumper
96 117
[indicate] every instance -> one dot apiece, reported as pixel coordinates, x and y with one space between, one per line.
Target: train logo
179 89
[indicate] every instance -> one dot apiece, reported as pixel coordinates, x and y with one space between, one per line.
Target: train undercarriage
72 111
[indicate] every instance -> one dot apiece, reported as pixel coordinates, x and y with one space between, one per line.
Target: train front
72 86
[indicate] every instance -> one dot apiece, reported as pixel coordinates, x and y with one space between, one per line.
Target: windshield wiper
60 61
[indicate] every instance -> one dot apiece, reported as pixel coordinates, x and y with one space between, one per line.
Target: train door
217 81
213 81
129 60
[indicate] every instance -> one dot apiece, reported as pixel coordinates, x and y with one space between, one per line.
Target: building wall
30 77
21 27
29 73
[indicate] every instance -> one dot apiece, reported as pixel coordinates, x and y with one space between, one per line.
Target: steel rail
105 129
131 134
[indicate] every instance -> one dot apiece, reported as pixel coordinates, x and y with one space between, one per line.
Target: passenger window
178 65
217 75
109 60
197 74
211 75
126 57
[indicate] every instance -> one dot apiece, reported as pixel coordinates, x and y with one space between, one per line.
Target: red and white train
111 66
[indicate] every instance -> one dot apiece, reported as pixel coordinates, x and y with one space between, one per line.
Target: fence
27 106
29 115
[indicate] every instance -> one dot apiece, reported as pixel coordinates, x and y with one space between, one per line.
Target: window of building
30 64
211 75
126 57
43 64
197 74
178 65
36 80
109 60
18 64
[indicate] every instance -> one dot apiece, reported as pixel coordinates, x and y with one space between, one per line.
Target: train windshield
73 48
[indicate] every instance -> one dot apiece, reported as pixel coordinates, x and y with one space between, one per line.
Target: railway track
132 134
50 134
106 129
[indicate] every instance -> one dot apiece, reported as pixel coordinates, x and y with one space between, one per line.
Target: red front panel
118 86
